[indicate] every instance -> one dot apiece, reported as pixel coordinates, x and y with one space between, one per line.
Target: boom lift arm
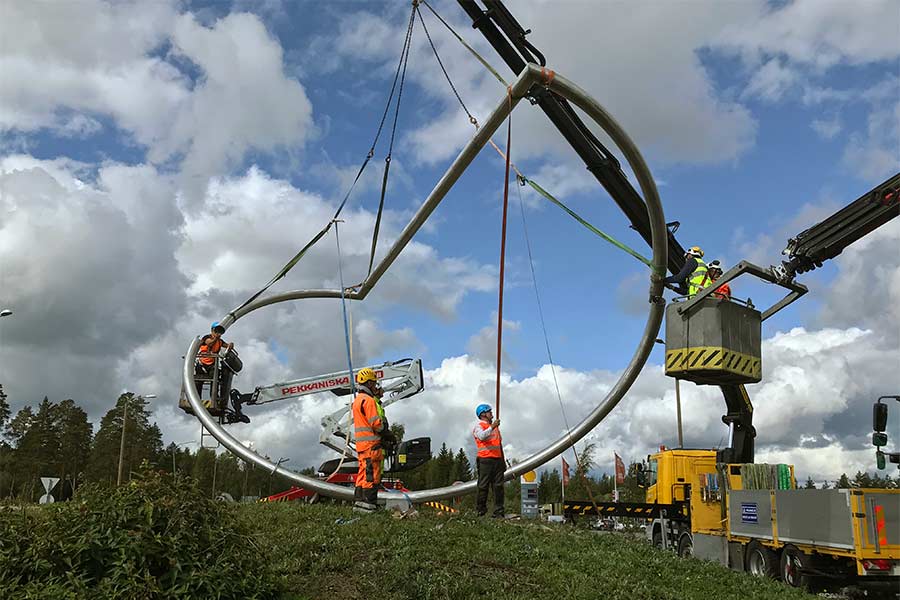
399 379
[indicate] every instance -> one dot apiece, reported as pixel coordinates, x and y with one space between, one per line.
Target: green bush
153 538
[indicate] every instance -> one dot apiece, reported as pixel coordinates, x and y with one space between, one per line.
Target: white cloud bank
200 96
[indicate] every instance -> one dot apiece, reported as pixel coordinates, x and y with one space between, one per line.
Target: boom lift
399 379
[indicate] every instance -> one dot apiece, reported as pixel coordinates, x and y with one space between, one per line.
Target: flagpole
615 478
563 482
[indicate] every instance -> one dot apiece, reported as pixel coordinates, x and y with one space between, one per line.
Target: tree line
57 440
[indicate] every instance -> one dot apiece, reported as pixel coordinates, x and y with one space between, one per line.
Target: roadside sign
49 483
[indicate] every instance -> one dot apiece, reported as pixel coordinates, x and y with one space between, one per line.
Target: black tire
686 545
761 561
657 537
793 565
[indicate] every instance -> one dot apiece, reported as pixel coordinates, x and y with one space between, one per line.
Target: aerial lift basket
717 342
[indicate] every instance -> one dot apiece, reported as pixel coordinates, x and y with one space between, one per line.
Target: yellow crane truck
719 505
752 517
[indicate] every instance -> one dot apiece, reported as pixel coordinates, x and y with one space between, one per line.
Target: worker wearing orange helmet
688 281
371 433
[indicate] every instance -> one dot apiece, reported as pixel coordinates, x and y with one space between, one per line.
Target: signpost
529 485
49 484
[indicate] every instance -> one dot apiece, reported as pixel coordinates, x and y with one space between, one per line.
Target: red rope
503 250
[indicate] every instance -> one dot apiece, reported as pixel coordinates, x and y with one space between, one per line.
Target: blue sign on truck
749 512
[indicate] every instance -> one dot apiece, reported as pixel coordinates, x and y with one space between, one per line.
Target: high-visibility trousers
368 475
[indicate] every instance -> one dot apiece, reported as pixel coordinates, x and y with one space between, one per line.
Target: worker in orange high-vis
489 463
371 432
723 292
210 345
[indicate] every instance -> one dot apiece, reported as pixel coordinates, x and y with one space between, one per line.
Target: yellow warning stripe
607 508
440 506
712 358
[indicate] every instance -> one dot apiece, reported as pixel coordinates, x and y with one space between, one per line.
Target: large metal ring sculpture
530 76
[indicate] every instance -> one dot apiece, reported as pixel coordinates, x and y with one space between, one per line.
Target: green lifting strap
575 216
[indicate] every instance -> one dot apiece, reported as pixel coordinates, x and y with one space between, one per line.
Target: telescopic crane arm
507 37
828 238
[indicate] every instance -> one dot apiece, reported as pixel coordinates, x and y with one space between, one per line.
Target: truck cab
688 482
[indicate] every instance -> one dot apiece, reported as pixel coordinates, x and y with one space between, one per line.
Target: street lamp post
176 447
5 312
122 442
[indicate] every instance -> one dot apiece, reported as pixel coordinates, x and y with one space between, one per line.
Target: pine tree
37 447
439 474
143 441
19 425
810 484
204 462
550 487
862 480
4 409
462 468
74 440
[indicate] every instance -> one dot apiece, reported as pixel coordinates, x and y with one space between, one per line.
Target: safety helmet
716 265
695 251
216 326
365 375
482 408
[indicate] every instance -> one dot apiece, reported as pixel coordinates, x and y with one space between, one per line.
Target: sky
159 162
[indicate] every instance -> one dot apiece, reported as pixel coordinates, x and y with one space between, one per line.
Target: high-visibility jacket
698 278
492 445
723 291
368 422
210 349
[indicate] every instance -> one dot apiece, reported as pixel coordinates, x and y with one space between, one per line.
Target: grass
325 552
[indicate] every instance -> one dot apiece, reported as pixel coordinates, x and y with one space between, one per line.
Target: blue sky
224 134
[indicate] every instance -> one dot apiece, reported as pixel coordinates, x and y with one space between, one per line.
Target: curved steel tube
565 88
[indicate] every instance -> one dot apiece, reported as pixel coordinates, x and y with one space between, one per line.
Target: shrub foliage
153 538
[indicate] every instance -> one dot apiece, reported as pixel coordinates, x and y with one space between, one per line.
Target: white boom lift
399 379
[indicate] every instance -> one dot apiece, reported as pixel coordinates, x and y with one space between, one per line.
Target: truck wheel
656 540
760 561
793 564
686 545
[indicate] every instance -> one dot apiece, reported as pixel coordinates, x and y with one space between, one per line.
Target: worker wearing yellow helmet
371 432
689 280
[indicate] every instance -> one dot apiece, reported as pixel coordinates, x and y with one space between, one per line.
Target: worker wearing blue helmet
489 463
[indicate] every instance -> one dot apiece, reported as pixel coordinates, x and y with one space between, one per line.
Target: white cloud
822 34
483 345
874 154
796 45
827 129
201 95
116 281
698 125
771 81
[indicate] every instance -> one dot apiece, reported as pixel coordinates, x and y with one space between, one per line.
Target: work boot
364 507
